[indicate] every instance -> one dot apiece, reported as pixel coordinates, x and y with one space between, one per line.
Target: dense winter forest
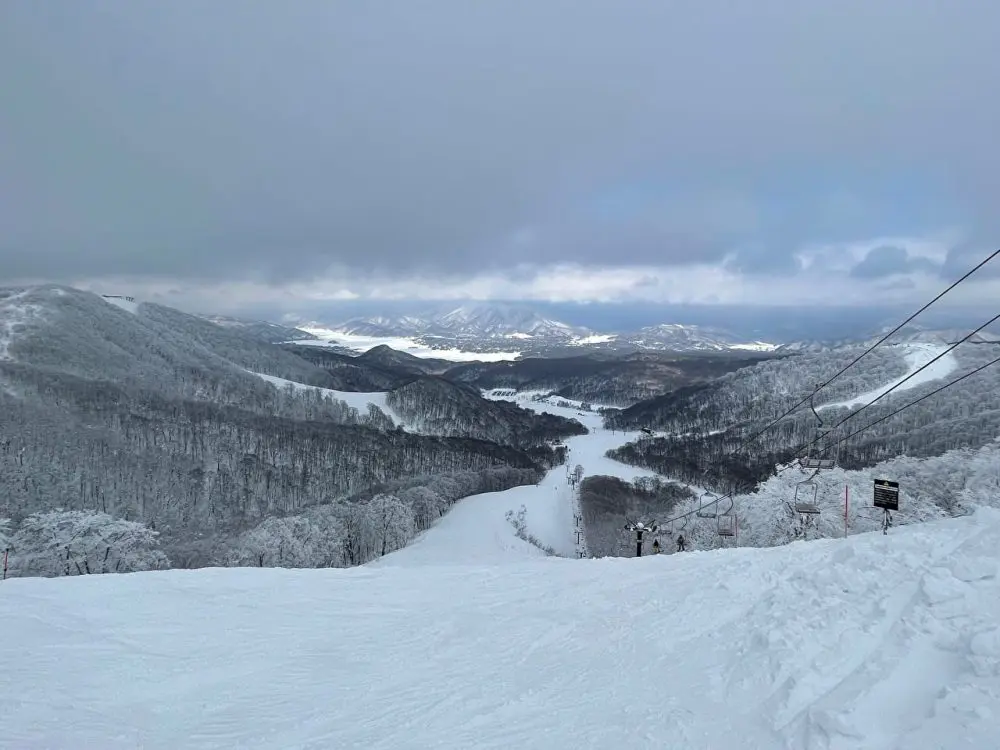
602 379
709 422
378 369
436 406
150 417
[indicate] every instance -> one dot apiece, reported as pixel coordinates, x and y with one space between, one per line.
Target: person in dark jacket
681 544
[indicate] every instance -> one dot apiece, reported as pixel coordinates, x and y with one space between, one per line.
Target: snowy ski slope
472 638
359 401
917 356
476 529
875 642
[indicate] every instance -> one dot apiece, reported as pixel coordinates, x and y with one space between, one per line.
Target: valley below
311 548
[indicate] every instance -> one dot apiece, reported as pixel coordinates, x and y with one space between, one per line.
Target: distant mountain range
505 327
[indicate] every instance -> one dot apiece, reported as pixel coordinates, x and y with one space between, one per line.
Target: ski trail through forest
917 356
476 529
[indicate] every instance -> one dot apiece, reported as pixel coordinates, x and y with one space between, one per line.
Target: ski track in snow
917 356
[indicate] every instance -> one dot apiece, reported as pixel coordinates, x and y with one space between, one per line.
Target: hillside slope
79 333
704 427
145 413
877 642
440 407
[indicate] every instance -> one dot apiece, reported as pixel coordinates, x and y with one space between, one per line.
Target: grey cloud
888 260
964 257
763 259
263 140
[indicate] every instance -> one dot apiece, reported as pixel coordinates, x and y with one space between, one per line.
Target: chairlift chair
710 510
727 525
818 457
806 502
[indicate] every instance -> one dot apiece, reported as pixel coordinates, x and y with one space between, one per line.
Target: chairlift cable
744 443
917 401
874 346
853 362
731 495
855 413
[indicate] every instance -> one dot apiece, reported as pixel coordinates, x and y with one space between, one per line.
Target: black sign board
886 494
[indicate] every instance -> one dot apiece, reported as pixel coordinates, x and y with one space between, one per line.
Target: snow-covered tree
425 504
292 542
81 542
392 521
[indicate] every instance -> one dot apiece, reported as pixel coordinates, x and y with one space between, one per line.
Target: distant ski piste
917 356
476 530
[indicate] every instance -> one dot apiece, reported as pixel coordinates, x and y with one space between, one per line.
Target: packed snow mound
873 642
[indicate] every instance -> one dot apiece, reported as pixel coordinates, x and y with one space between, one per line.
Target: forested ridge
151 417
710 422
437 406
617 380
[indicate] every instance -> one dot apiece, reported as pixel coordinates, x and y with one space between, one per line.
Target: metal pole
845 511
5 563
638 544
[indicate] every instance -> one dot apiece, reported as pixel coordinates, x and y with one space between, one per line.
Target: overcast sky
224 154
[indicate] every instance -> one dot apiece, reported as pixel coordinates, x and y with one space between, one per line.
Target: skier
680 543
656 546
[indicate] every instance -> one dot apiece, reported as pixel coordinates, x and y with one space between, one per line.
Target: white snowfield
917 356
875 642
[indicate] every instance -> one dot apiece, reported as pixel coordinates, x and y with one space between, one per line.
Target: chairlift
710 509
818 457
727 525
806 500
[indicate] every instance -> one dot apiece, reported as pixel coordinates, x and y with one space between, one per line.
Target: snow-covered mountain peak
676 336
474 320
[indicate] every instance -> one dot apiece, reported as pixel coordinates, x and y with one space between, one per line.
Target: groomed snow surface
874 642
472 638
